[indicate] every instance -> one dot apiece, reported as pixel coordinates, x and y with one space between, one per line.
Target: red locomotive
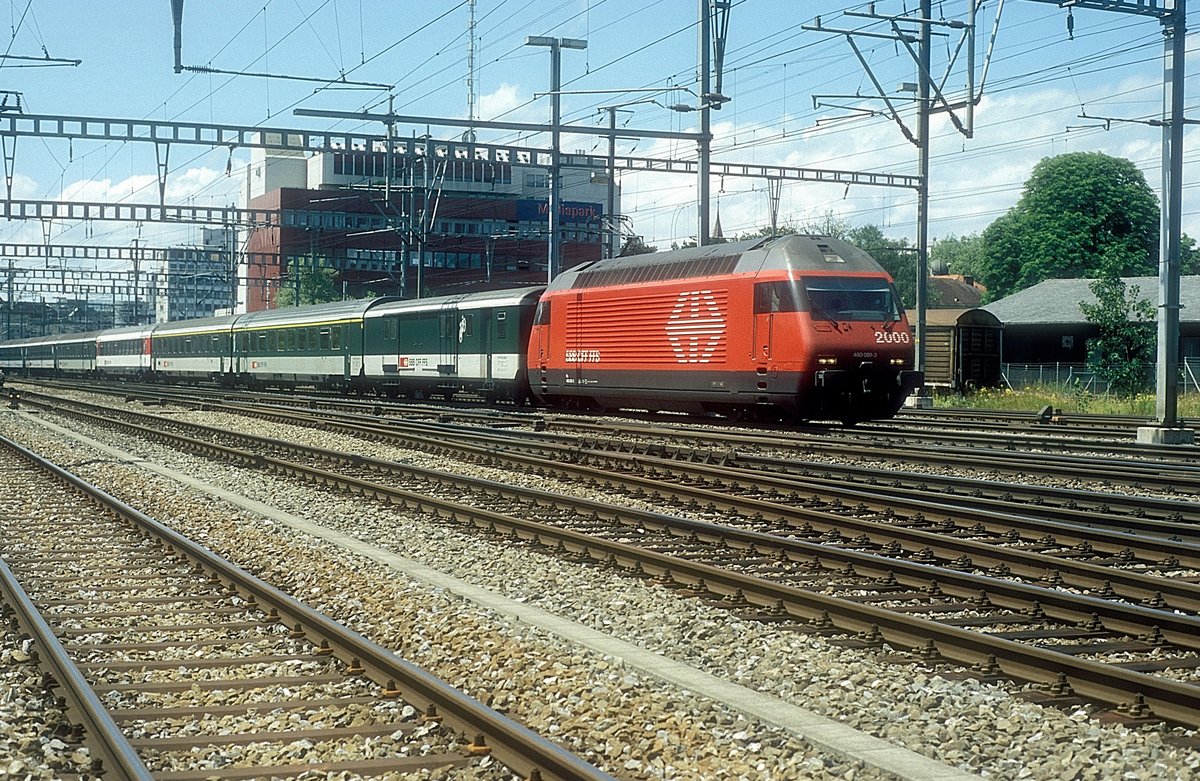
806 326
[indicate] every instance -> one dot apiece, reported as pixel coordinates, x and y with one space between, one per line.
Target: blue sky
1038 82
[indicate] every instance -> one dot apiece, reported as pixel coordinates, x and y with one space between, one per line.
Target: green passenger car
192 350
441 346
319 346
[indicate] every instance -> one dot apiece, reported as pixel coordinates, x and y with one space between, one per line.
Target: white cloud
500 101
972 181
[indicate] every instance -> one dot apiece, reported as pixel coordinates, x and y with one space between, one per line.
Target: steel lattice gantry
165 134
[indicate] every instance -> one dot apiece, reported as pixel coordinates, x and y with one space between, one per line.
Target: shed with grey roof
1044 324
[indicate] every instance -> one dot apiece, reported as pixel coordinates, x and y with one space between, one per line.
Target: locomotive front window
851 298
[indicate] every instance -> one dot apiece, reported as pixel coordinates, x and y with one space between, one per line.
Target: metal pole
421 233
136 282
705 142
387 162
8 311
552 248
923 190
970 107
610 205
1166 402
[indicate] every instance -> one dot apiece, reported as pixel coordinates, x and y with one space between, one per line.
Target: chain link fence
1077 377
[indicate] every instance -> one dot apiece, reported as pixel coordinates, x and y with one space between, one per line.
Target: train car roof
479 300
956 316
80 336
128 332
794 253
200 325
315 314
28 340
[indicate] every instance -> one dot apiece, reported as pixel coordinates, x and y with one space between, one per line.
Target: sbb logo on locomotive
696 327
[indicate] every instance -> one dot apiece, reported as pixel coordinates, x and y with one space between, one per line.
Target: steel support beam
233 136
1167 380
1173 16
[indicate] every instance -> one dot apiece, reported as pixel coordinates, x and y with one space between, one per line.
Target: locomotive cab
861 347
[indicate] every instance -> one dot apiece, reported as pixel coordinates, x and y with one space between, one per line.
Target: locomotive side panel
645 345
807 325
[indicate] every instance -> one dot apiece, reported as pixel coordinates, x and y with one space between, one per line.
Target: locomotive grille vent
829 255
657 272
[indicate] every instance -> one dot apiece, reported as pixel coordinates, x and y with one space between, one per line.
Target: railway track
994 622
1117 426
1075 545
181 666
927 434
1169 469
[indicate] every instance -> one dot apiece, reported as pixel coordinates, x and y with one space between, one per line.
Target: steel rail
1178 594
1159 516
101 732
1186 461
1106 471
512 744
1168 509
1168 699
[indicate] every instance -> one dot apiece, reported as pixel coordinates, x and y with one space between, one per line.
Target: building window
536 180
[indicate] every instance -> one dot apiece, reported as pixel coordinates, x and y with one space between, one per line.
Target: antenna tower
470 134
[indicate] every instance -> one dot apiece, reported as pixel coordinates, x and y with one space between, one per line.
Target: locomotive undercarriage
850 396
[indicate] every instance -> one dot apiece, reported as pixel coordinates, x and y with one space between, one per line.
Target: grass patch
1034 398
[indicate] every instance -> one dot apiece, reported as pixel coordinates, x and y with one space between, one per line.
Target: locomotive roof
784 253
486 298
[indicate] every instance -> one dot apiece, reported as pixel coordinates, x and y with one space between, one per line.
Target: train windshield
852 298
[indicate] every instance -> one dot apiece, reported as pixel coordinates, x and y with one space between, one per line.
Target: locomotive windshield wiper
827 316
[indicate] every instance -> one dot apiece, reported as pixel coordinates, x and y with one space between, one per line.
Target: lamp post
556 46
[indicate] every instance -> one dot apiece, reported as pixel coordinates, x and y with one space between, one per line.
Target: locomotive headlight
826 360
898 361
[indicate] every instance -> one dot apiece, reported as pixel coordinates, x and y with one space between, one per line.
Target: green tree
828 224
1082 214
1189 255
1123 352
635 245
959 255
896 256
314 284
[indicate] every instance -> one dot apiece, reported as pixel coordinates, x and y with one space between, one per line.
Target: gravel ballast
979 727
